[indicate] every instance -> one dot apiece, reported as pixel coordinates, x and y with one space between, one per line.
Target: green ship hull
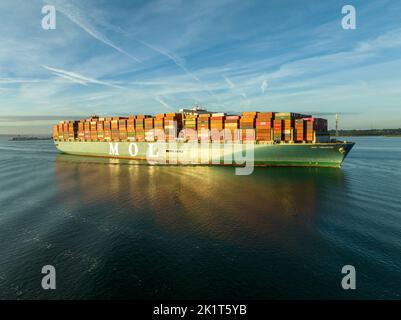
235 154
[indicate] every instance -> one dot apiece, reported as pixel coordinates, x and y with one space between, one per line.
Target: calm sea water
118 230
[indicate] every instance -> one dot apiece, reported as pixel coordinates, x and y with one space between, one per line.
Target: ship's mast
336 125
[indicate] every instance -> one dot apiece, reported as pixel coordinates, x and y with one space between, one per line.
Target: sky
126 57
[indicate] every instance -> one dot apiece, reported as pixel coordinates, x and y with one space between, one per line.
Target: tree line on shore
368 132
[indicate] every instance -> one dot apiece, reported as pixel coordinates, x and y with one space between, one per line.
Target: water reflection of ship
208 201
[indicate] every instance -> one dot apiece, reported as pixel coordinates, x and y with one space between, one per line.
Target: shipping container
251 126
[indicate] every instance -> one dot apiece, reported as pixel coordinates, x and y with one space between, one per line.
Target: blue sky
121 57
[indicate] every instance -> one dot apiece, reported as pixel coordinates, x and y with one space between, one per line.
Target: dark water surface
119 230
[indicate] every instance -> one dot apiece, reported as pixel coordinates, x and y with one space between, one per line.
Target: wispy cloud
163 51
390 39
229 82
163 103
179 62
226 55
78 17
7 118
19 80
78 78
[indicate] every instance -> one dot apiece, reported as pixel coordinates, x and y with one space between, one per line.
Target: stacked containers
140 128
314 125
204 127
93 129
286 122
87 130
286 127
122 129
81 130
114 129
107 129
320 125
231 128
172 124
263 126
247 125
190 126
149 131
65 130
72 130
299 133
190 121
217 126
277 130
131 128
309 129
60 130
159 127
55 132
100 130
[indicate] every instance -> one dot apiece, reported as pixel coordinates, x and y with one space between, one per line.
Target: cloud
179 62
19 80
77 78
388 40
74 14
229 82
206 52
171 56
8 118
163 103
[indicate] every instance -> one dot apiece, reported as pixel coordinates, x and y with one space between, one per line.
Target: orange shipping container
55 132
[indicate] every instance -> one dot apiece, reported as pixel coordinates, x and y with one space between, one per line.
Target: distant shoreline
367 136
368 133
30 138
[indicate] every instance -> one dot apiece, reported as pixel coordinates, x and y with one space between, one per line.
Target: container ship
196 136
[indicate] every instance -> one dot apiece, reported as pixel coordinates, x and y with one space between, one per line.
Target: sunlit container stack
173 123
149 131
247 126
131 128
159 134
231 125
190 123
100 130
140 128
251 126
203 125
217 126
263 126
299 131
107 129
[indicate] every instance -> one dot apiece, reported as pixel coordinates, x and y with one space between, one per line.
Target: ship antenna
336 125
